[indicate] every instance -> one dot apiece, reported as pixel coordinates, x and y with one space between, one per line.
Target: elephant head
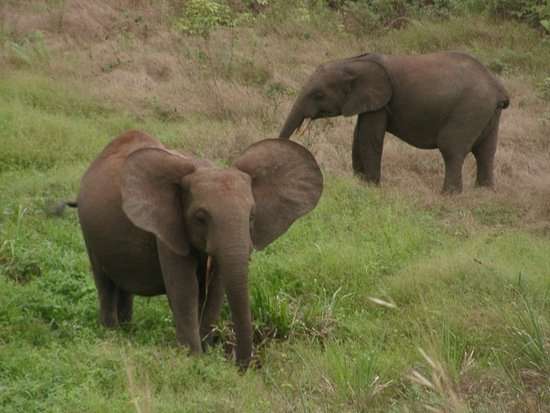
192 205
345 87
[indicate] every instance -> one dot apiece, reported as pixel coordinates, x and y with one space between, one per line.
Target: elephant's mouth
303 129
325 114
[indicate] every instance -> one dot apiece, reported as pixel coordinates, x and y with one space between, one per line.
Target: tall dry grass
237 86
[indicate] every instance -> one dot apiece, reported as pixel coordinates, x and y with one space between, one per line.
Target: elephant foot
189 339
109 322
452 190
487 183
366 177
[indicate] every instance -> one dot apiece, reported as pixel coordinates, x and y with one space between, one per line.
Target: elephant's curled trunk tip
293 122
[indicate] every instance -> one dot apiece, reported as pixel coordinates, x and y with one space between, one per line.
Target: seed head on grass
384 303
441 384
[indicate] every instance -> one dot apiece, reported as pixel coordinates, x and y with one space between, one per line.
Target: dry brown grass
225 90
139 388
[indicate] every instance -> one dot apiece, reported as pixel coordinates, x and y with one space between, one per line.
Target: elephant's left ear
369 87
286 183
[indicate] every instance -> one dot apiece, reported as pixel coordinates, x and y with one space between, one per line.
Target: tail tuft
57 208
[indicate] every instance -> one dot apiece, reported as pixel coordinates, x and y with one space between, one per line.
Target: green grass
325 341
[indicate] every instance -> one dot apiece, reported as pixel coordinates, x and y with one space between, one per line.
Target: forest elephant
448 101
156 221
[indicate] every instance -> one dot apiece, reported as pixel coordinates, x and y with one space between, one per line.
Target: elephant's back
125 253
459 67
99 199
111 158
495 87
429 89
471 73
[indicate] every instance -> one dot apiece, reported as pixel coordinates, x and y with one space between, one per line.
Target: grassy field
390 299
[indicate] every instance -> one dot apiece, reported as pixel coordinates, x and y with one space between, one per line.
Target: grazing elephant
160 222
447 101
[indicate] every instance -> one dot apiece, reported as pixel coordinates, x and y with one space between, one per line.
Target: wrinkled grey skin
150 218
445 101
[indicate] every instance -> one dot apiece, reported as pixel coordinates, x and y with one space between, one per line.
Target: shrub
28 51
200 17
534 12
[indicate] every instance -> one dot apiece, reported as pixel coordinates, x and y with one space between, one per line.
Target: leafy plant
28 51
531 338
535 12
200 17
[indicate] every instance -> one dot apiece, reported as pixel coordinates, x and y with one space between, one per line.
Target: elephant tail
57 208
502 95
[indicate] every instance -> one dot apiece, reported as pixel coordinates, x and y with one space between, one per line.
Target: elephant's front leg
368 144
182 289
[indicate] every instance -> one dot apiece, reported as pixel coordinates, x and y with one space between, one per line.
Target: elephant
156 221
447 101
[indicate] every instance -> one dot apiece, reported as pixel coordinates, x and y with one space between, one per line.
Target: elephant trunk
233 267
293 121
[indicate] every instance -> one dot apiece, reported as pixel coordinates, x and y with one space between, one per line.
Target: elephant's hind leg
484 152
108 295
125 305
456 139
368 143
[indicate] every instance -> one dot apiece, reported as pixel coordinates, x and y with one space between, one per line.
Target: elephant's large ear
152 193
286 183
369 87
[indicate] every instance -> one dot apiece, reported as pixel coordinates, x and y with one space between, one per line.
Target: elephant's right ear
369 87
286 184
152 193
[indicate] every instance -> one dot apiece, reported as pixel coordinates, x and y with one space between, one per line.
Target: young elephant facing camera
445 101
159 222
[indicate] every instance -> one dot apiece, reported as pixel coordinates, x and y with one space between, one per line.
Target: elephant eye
318 95
252 218
201 217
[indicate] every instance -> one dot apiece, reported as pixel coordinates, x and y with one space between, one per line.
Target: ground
388 299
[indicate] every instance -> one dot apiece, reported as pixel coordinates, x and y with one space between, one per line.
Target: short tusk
208 269
303 130
207 279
